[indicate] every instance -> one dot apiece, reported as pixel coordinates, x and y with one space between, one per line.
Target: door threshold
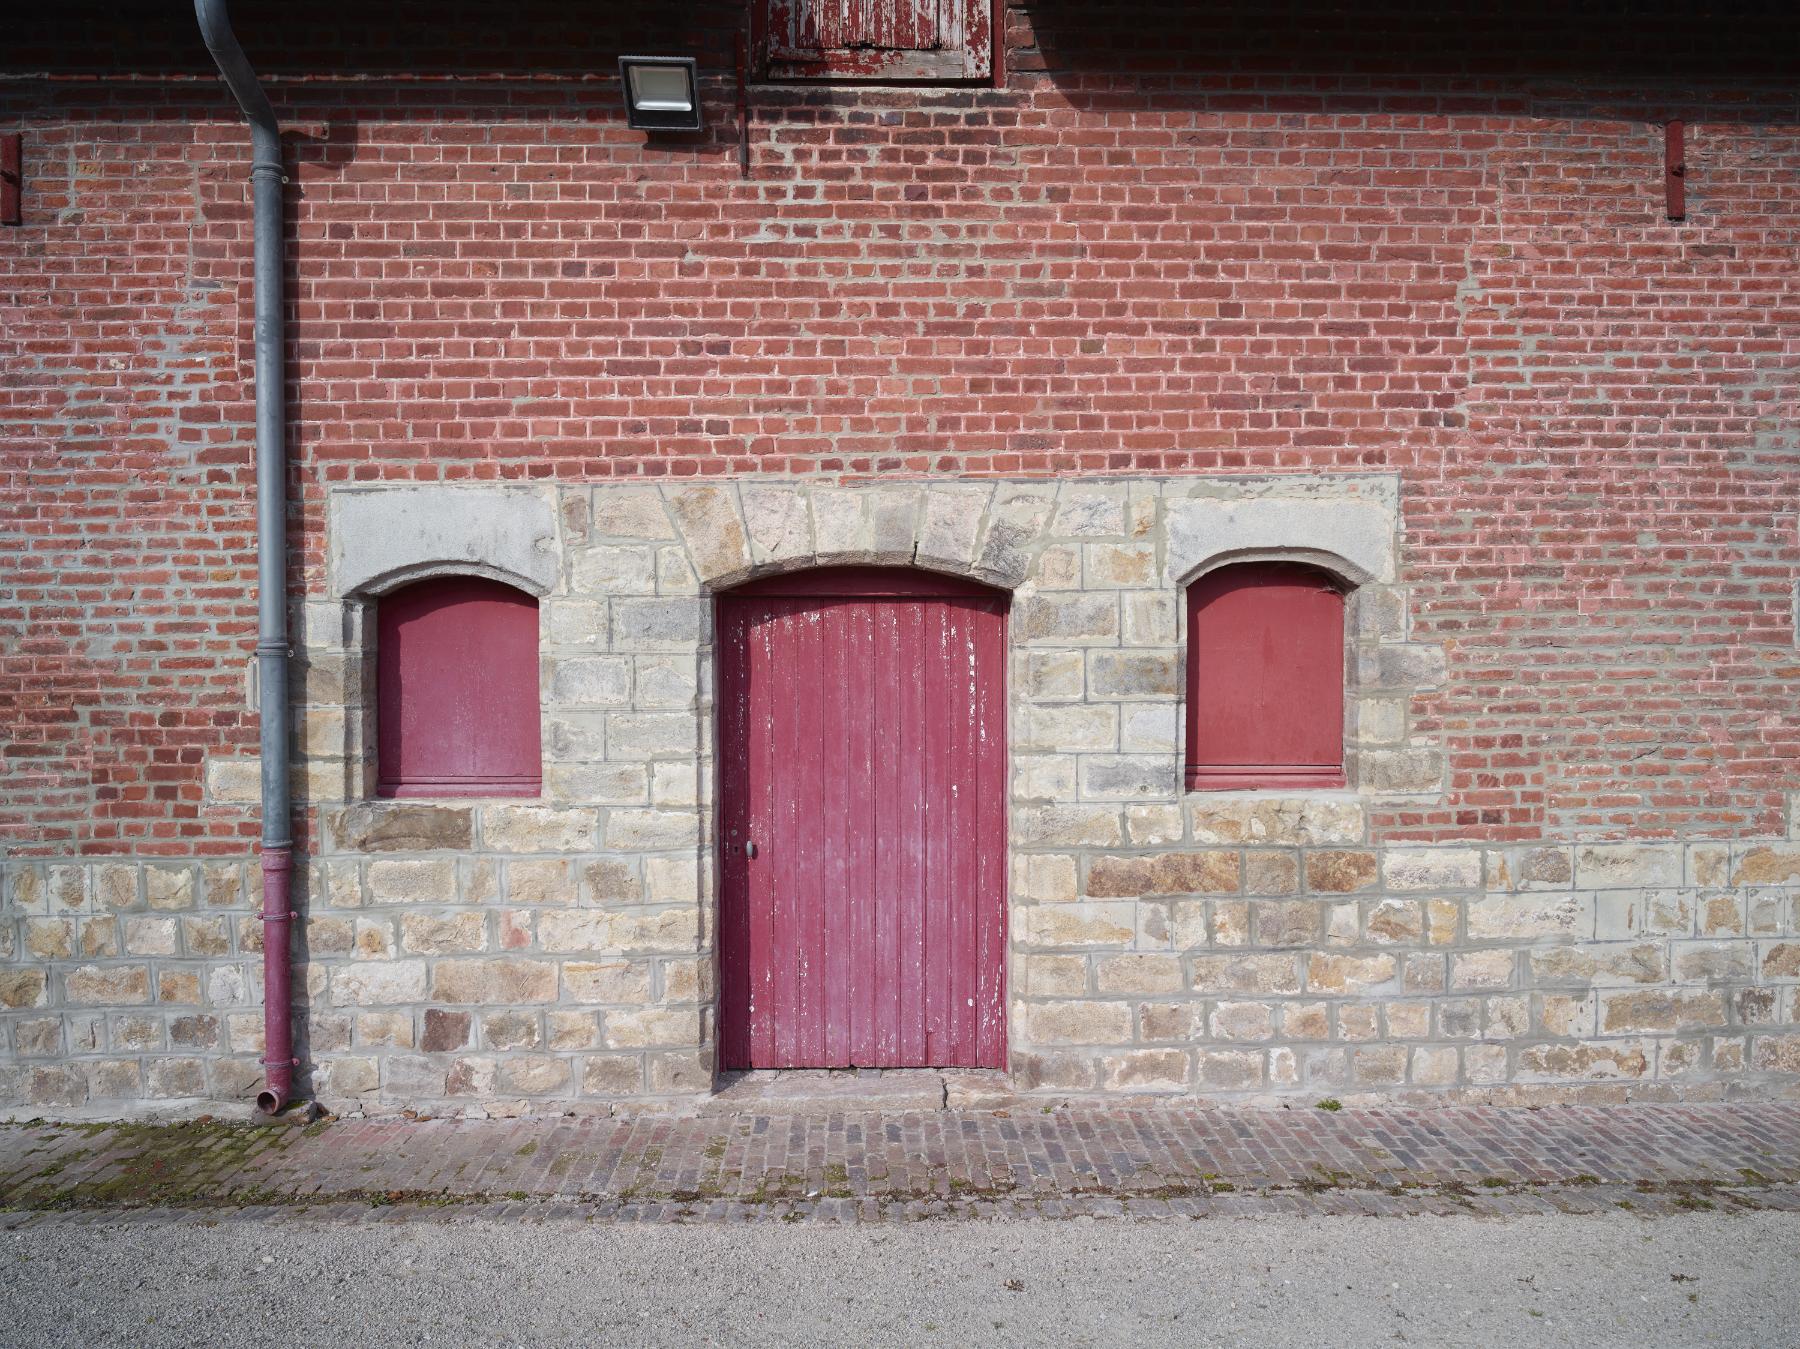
821 1091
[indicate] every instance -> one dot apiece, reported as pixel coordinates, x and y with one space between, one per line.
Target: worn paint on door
862 780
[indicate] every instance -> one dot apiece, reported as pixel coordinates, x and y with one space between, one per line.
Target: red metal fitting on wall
12 179
1675 170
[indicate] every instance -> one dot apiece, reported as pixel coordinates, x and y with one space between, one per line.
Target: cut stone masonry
507 957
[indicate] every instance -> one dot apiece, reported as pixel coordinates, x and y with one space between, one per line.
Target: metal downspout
266 179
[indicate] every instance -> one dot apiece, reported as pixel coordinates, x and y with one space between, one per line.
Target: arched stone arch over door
862 821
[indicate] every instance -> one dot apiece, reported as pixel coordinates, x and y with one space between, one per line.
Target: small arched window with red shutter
456 673
1265 679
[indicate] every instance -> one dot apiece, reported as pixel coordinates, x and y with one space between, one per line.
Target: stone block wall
502 956
1265 947
126 986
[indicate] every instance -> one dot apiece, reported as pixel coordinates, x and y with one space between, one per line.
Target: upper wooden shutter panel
924 40
869 25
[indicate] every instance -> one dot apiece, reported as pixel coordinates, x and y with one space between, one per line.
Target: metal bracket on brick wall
743 105
1675 170
12 179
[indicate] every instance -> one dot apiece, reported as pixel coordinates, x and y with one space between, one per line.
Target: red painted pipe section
278 981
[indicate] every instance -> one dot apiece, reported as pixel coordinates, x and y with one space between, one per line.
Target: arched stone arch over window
428 647
386 537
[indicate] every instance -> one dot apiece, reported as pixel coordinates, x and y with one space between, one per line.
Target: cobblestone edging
1027 1162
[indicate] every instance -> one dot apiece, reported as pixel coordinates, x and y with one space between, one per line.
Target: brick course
1167 248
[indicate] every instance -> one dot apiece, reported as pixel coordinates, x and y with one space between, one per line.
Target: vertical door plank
940 835
855 959
915 874
770 898
962 712
782 881
812 806
953 790
885 709
842 871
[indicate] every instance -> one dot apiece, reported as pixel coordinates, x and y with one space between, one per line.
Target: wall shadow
1648 59
1738 63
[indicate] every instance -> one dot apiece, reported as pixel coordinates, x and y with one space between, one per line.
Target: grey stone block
1354 538
383 537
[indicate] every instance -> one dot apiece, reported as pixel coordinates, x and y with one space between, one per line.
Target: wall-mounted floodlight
662 93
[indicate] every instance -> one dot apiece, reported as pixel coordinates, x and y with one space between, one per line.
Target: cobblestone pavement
846 1167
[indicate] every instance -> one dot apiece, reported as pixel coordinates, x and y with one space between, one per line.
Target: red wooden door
862 782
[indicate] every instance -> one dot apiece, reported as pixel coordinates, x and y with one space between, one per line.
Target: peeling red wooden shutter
930 40
456 672
1265 678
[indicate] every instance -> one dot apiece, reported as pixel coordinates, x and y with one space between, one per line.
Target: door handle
749 848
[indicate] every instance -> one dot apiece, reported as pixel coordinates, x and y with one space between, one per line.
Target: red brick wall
1184 239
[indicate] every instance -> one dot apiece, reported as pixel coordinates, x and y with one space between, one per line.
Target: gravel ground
1537 1281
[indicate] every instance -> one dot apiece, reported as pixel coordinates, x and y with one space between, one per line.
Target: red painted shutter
870 25
457 690
1265 678
929 40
